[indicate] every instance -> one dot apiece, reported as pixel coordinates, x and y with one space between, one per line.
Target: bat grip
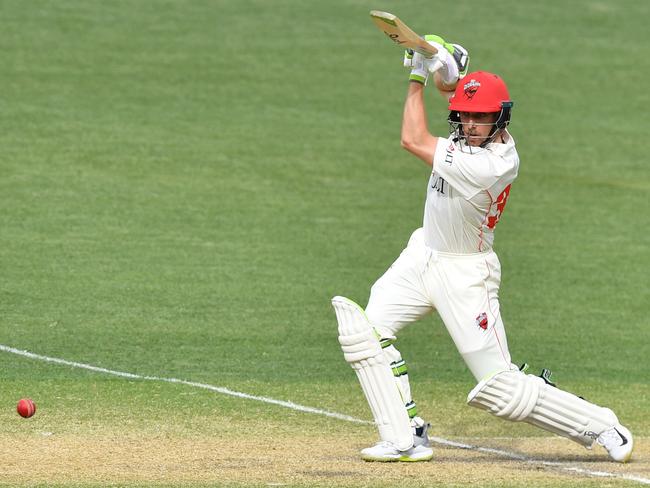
435 66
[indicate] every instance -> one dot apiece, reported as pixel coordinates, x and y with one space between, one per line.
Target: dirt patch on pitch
328 461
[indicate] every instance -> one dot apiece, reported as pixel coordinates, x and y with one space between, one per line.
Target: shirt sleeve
471 173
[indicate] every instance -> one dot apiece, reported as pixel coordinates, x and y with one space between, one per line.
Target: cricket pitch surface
252 460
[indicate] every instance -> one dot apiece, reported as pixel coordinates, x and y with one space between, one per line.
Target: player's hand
421 67
451 62
454 58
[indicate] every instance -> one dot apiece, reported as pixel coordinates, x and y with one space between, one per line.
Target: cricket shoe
420 429
618 442
386 452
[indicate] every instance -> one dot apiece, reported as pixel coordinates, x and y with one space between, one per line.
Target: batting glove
454 58
420 66
451 61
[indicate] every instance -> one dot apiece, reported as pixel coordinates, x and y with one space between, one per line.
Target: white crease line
551 464
318 411
218 389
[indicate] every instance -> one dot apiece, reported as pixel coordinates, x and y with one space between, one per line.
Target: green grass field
185 184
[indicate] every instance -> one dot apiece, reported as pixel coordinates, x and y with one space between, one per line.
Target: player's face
477 126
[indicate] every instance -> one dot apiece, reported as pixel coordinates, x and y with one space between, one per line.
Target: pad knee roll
516 396
362 350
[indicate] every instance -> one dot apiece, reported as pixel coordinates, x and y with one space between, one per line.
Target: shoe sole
401 459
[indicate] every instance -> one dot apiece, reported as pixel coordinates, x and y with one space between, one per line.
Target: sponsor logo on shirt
439 184
449 158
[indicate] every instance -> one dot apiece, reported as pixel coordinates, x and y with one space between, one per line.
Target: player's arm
416 137
448 65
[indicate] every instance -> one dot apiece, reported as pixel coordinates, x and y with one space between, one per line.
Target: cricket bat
401 34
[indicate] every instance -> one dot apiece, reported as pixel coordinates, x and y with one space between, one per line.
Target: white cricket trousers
463 288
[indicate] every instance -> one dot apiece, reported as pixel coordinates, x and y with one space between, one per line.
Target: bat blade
401 34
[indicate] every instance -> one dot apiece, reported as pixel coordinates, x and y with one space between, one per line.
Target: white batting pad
516 396
362 351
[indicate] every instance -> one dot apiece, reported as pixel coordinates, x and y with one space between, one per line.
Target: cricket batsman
449 266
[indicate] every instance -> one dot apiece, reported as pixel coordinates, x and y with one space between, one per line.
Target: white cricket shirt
467 194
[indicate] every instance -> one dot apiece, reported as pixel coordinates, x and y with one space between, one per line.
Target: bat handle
435 66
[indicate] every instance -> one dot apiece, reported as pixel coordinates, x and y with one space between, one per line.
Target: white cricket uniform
448 264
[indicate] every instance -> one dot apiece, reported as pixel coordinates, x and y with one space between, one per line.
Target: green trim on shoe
406 459
402 459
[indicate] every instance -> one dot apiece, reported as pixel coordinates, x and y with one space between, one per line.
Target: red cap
479 92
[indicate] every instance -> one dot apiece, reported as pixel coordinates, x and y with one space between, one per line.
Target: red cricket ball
26 407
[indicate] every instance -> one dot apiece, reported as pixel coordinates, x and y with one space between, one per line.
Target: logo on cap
471 88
